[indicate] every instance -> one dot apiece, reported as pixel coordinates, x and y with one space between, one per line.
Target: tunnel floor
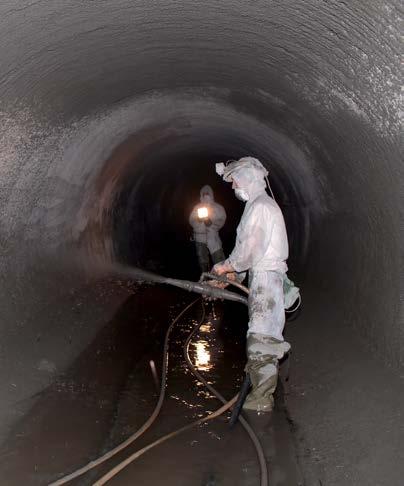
109 392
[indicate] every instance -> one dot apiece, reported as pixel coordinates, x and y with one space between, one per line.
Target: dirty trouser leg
202 253
264 353
218 256
265 344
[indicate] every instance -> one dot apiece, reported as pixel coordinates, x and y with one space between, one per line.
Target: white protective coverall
261 249
206 234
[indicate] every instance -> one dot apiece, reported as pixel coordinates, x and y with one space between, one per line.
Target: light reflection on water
202 354
186 403
206 327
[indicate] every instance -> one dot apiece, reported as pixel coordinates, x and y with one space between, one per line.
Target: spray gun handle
220 278
206 290
217 293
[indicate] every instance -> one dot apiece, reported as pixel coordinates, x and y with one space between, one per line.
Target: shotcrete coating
99 97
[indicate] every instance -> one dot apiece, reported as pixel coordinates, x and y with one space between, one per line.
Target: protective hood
207 194
247 172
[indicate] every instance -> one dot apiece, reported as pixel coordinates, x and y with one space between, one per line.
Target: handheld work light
203 212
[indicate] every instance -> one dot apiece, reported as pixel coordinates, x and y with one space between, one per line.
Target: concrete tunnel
113 115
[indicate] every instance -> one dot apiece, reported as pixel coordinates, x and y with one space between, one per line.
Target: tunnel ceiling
95 94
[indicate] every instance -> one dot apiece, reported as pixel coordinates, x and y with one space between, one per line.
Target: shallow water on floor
110 391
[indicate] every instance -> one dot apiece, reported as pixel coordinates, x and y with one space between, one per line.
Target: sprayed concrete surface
347 414
111 110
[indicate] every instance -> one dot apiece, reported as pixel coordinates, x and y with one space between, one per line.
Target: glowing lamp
202 213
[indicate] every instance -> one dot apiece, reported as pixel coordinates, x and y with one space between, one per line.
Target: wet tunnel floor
109 392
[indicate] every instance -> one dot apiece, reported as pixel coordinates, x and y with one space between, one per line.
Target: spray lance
202 287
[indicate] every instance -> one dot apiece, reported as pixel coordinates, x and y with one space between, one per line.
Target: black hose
245 388
227 404
254 439
123 445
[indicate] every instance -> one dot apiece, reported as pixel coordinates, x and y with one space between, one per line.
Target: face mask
241 194
206 198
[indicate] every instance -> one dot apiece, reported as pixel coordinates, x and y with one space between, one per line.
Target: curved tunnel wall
99 97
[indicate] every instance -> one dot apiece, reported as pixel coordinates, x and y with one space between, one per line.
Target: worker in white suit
262 249
206 219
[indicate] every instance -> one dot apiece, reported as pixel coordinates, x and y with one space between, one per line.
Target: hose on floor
118 468
146 425
226 406
243 421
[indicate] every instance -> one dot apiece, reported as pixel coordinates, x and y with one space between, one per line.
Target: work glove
223 269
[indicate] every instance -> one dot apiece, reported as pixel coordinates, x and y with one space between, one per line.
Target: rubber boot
202 253
264 353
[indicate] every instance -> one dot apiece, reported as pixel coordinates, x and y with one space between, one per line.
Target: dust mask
241 194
